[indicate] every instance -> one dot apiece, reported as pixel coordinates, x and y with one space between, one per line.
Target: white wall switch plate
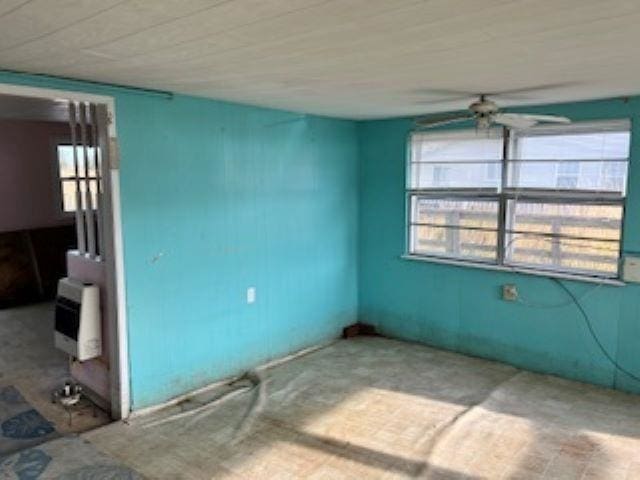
631 269
251 294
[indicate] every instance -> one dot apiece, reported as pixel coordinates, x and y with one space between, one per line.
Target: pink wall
29 196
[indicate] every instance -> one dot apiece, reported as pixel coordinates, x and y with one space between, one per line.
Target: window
550 198
69 181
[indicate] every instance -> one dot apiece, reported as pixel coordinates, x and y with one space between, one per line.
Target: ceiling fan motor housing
483 110
484 107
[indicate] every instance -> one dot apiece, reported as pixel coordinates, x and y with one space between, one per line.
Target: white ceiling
347 58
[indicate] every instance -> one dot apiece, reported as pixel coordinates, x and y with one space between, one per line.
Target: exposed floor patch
378 408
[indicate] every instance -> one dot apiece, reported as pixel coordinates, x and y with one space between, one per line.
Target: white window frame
504 194
60 180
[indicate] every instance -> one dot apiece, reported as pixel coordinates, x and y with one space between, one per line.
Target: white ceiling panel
347 58
120 20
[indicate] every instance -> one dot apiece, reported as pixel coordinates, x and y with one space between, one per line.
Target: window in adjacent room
549 198
69 181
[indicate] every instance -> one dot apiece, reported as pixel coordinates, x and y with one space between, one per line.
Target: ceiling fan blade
546 118
514 120
524 120
438 120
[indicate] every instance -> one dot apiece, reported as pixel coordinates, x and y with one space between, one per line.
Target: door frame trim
120 389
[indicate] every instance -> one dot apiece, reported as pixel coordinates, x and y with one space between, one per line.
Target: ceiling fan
486 113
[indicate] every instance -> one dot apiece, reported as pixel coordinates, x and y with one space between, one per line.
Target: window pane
578 220
462 159
93 189
564 236
575 146
569 175
565 254
65 161
91 151
587 159
66 165
457 146
459 213
68 188
456 175
454 242
94 193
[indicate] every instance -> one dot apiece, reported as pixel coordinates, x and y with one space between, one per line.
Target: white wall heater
77 320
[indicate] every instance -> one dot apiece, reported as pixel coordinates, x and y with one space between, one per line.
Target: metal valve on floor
68 395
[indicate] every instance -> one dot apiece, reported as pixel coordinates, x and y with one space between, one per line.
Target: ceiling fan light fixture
483 122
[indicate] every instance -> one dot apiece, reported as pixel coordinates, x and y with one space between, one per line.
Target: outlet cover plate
631 269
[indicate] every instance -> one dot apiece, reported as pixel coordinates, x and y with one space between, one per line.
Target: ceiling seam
244 47
222 32
161 24
15 9
45 35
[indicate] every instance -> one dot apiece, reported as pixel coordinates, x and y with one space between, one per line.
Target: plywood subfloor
378 408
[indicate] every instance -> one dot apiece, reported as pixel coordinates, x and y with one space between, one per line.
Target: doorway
60 218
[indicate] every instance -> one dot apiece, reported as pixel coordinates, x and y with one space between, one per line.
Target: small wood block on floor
359 329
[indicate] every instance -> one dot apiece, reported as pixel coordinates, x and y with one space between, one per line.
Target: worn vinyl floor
30 363
66 458
372 408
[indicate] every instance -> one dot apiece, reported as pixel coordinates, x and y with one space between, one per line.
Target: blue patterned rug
21 425
67 458
31 450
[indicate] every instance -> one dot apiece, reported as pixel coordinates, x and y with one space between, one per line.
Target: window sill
502 268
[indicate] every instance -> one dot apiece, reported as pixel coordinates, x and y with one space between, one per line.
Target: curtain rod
43 76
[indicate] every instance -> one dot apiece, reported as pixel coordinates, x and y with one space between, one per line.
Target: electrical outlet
251 294
509 292
631 269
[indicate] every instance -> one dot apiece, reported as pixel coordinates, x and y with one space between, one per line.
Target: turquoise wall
216 198
459 308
